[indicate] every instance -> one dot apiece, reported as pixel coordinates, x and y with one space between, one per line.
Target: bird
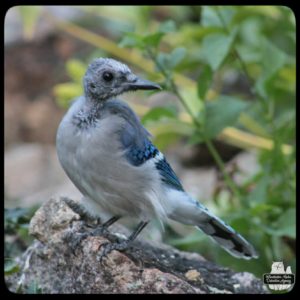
109 156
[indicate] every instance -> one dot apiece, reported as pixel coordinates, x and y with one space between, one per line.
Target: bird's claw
108 247
75 240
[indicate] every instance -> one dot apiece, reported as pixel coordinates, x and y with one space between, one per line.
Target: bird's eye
107 76
92 86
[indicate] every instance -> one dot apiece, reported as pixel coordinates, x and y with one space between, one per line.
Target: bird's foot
76 240
101 230
108 247
122 245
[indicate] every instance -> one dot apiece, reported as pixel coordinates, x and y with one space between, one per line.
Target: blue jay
107 154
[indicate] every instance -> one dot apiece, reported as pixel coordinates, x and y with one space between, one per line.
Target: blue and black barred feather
139 149
168 175
139 155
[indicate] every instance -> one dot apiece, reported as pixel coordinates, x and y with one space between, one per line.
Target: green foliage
273 60
252 42
216 115
221 113
204 81
285 226
216 47
17 217
158 113
16 223
11 267
76 70
66 92
140 41
169 61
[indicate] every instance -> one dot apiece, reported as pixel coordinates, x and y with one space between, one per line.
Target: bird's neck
93 104
88 114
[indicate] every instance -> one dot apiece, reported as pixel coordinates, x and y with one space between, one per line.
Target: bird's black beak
142 84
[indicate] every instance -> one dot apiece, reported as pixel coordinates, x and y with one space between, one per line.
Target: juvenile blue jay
107 154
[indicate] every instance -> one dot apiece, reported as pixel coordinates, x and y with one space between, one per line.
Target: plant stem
211 148
230 183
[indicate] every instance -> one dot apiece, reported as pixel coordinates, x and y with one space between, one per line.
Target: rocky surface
143 268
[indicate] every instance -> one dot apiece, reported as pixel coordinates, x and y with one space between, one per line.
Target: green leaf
216 47
286 224
240 223
153 40
176 56
222 113
11 268
191 99
273 59
259 208
170 125
157 113
163 60
65 92
132 40
192 238
18 215
167 26
210 17
76 69
259 193
170 60
135 40
164 140
204 81
196 138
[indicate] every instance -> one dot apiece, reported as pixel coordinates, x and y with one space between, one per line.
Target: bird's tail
227 237
189 211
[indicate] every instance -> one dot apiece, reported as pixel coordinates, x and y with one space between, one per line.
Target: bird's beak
142 84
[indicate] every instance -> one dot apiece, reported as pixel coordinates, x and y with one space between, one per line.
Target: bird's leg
123 245
102 229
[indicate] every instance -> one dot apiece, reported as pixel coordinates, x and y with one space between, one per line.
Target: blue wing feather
139 149
137 155
168 175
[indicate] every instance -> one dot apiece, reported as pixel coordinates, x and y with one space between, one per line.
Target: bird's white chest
78 149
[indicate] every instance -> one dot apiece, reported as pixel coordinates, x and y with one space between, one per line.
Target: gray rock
143 268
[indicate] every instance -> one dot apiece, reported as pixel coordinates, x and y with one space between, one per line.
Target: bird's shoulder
133 135
139 149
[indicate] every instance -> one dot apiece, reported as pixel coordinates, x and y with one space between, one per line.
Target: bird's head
106 78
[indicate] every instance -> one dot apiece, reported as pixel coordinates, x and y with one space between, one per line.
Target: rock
143 268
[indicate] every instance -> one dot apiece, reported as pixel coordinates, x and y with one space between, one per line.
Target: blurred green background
229 78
